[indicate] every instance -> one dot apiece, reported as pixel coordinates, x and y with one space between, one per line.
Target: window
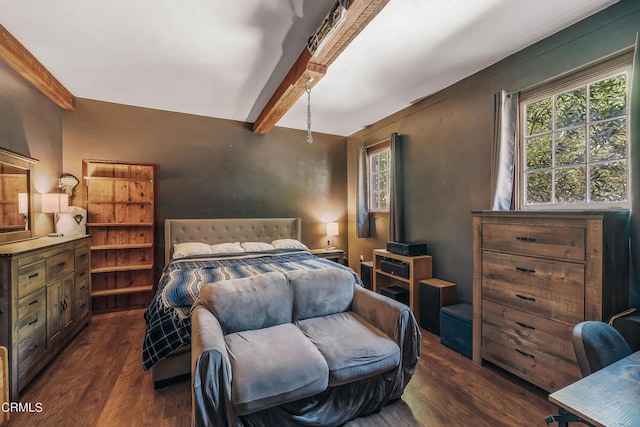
574 144
379 164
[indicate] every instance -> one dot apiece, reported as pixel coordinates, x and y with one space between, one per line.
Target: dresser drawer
31 277
32 331
529 361
81 256
548 288
59 265
555 337
82 293
547 241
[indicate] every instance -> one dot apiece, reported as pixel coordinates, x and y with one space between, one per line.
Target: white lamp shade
55 203
23 203
332 229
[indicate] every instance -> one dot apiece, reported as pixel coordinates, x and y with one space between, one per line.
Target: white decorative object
72 222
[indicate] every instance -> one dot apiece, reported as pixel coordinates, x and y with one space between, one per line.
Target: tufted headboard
220 230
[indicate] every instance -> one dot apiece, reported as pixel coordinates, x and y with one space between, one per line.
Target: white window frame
549 91
372 153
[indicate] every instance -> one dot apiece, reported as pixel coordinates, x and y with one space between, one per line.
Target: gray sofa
305 347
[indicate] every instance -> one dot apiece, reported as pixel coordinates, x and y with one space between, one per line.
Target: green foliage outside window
576 145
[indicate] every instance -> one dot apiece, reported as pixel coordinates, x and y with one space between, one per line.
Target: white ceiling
224 59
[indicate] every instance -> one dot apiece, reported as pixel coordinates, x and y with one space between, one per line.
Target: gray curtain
634 161
362 210
396 224
505 126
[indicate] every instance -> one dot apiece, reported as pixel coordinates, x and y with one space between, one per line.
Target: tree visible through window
575 145
379 176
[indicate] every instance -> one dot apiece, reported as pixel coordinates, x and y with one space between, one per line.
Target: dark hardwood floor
98 381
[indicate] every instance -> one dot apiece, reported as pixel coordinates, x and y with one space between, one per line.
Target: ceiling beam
329 46
24 63
289 91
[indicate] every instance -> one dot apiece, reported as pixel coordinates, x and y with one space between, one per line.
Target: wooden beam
24 63
289 91
358 14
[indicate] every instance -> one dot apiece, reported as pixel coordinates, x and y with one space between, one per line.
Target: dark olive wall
447 141
31 125
215 168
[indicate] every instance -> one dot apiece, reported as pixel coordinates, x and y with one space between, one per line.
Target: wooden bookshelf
121 216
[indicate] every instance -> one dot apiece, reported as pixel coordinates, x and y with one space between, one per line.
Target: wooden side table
334 254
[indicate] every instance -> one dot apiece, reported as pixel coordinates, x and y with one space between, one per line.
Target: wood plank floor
98 381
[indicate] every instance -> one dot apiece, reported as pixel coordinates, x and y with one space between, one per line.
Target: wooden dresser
45 297
535 276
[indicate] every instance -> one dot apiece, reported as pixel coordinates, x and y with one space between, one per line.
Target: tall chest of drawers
535 276
45 297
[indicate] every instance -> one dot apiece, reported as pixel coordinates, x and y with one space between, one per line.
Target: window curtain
505 125
362 210
634 161
396 225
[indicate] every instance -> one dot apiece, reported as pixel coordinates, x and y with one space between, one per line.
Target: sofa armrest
382 312
210 371
396 321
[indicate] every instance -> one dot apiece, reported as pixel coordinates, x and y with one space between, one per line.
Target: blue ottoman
455 328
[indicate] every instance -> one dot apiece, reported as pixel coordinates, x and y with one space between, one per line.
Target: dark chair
597 345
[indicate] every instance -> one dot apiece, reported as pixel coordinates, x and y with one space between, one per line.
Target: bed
166 346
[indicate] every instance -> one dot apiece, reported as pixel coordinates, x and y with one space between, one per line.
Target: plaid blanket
167 317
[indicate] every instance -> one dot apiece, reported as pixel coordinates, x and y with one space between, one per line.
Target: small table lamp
55 203
332 230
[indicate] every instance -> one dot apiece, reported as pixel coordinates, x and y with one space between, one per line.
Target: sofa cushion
273 366
353 348
249 303
320 292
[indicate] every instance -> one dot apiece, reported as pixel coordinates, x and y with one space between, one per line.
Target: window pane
384 201
375 164
571 108
609 182
384 160
571 185
608 140
571 146
539 152
383 181
539 187
608 98
539 117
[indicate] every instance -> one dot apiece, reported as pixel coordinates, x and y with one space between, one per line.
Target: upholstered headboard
227 230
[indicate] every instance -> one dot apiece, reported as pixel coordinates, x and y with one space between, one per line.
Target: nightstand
333 254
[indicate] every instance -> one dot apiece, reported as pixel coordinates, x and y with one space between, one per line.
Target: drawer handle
525 270
33 322
33 348
525 354
524 325
35 301
82 274
31 276
62 264
526 239
526 298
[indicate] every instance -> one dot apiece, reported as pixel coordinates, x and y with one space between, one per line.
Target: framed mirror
16 196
